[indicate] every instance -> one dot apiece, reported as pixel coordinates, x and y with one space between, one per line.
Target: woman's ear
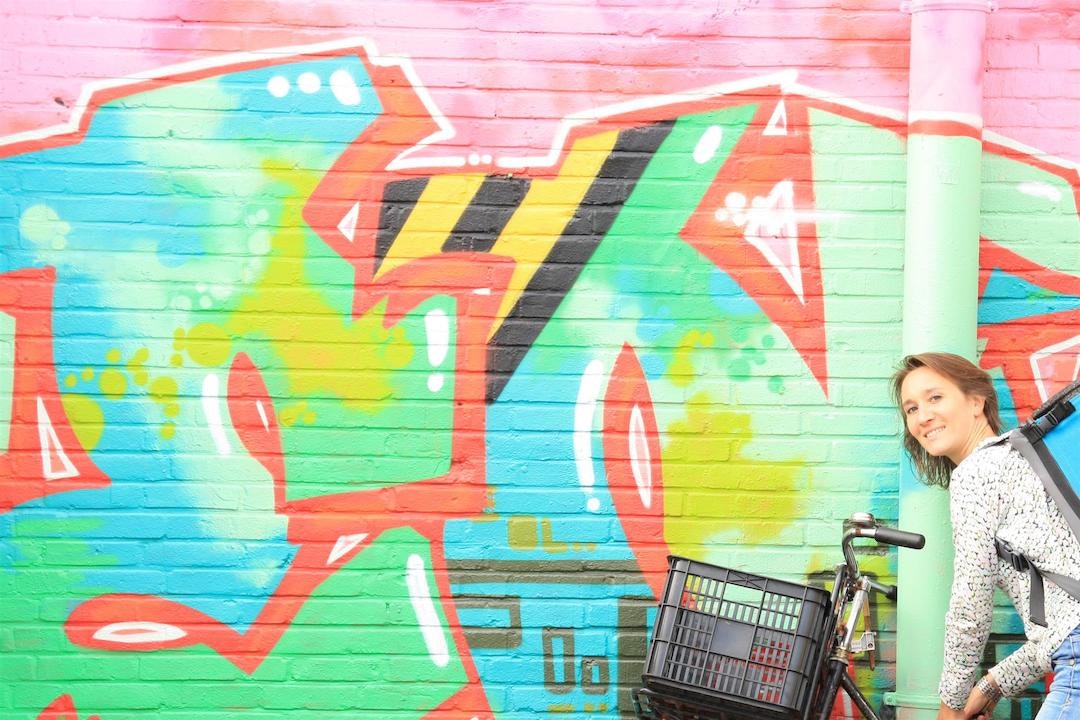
978 404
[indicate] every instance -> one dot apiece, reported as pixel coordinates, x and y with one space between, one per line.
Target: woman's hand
980 703
947 713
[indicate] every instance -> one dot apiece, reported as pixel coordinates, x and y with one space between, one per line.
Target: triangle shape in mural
756 222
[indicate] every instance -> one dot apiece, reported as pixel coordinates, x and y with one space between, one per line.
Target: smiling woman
949 405
950 413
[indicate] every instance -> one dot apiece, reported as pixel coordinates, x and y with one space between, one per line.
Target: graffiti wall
321 394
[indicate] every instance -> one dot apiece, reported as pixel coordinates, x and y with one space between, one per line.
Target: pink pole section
947 61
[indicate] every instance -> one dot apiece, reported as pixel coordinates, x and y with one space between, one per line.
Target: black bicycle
731 645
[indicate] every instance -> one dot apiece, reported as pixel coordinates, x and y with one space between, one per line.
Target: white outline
785 79
426 615
640 467
584 412
48 439
444 130
344 544
211 405
1074 341
151 632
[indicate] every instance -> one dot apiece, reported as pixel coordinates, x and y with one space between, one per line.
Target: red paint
27 465
766 156
640 508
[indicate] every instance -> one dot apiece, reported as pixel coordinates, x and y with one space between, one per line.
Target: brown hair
971 380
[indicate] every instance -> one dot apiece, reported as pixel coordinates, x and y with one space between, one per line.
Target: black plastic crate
746 645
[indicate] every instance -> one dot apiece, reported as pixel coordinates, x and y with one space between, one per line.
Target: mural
292 422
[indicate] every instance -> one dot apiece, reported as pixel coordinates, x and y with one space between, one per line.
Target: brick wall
370 358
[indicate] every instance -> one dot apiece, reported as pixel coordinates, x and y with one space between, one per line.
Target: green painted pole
941 266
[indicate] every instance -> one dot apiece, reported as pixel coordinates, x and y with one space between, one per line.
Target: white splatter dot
205 302
474 159
435 382
708 144
308 83
259 242
278 86
344 87
593 504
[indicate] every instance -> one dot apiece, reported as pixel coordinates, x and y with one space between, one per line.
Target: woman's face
944 420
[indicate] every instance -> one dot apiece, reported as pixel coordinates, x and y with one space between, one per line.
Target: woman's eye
910 410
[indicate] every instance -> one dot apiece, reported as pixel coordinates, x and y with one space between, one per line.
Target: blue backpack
1050 442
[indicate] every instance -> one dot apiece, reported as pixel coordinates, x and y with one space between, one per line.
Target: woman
951 419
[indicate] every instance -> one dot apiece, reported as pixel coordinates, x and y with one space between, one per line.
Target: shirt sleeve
974 500
1021 668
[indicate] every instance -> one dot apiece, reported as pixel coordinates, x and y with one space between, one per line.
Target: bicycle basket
744 644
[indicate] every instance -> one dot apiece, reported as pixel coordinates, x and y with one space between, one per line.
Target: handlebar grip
892 536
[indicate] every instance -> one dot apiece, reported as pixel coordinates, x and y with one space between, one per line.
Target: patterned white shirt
995 493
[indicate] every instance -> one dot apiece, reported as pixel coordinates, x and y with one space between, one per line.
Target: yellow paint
164 389
113 384
176 360
70 380
87 374
437 211
168 431
681 371
135 366
113 355
544 213
207 344
350 359
521 532
86 418
707 474
547 539
295 413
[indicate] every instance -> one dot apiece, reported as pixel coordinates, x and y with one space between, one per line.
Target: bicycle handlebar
892 536
864 525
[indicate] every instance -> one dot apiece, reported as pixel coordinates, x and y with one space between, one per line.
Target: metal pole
941 265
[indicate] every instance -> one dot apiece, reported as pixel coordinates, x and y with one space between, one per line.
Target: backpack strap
1037 602
1023 444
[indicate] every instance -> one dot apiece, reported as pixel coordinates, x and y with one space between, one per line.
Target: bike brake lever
888 591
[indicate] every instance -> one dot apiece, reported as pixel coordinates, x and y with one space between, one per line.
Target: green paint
1030 211
355 619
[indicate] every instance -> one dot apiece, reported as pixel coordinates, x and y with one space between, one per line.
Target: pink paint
506 74
947 59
